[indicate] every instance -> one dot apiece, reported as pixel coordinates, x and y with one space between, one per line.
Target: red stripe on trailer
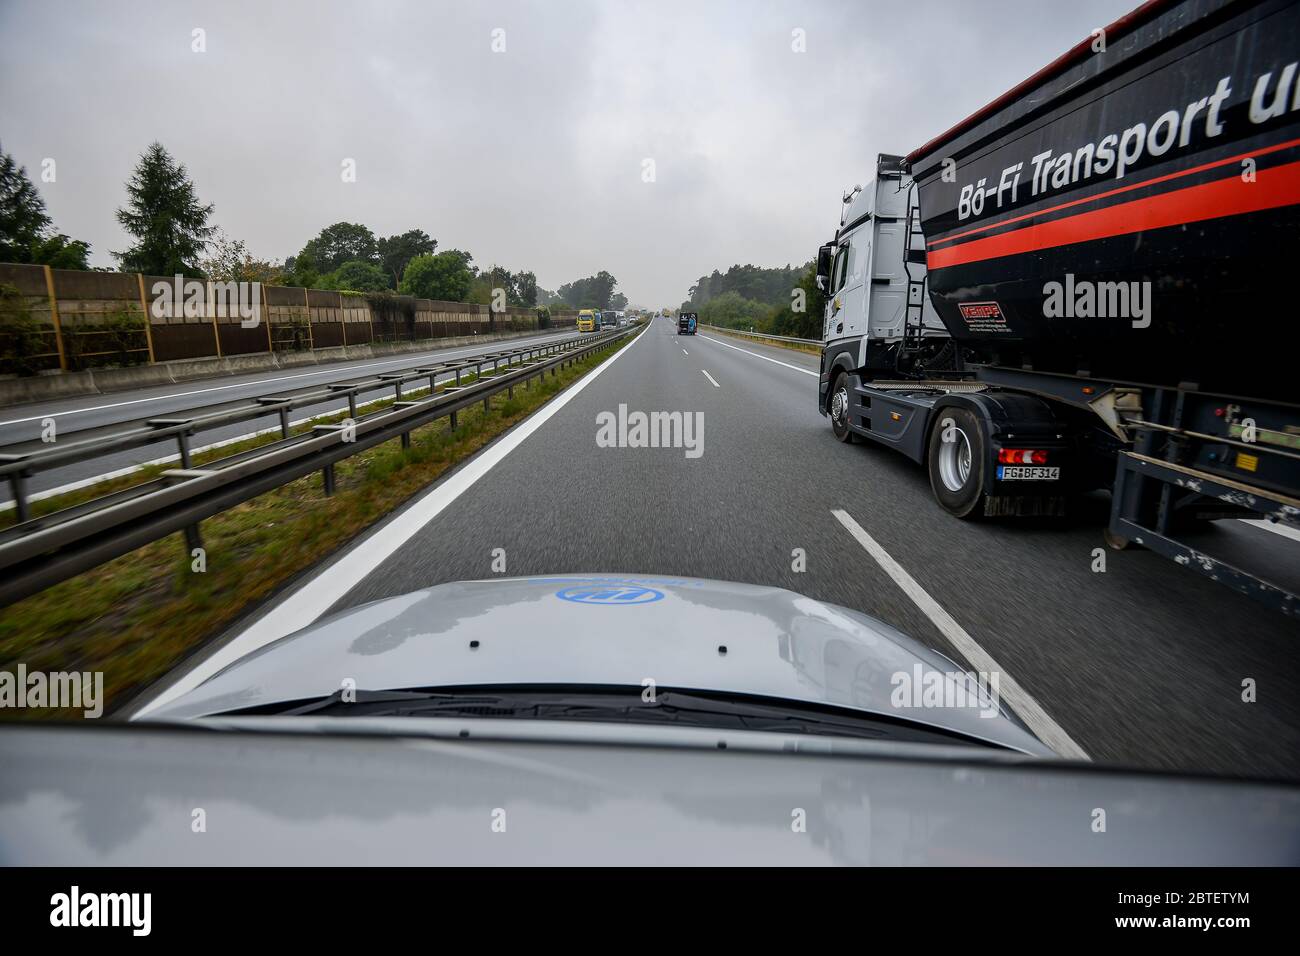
1273 188
1115 192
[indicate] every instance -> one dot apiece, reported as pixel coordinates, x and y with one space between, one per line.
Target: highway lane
1142 664
23 423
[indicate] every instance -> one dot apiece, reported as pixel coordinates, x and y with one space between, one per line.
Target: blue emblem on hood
617 594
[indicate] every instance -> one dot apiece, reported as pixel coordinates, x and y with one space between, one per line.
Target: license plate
1028 473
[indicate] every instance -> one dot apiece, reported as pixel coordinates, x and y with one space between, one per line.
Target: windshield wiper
383 703
621 705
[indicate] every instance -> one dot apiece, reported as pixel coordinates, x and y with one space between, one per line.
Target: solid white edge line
317 594
763 357
710 377
1019 699
472 349
1285 530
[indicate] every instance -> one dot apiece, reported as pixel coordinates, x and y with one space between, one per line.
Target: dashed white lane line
413 359
1020 700
765 358
710 378
319 592
684 352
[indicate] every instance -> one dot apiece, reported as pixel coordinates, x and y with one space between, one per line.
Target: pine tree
22 212
163 214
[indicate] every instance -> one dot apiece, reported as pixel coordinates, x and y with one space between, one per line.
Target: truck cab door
845 307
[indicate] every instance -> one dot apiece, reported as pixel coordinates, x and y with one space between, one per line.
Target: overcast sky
533 157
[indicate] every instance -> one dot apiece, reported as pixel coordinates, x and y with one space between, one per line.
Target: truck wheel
838 406
957 464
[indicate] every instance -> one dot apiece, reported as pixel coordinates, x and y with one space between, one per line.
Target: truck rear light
1021 456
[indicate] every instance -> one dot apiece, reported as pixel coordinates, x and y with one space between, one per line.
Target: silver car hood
125 795
686 633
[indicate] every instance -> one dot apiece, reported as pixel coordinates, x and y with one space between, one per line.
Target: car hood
598 629
125 795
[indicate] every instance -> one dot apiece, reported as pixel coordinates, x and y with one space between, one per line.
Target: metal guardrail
20 461
763 335
39 552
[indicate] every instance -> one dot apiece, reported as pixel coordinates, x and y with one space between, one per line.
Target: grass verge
138 616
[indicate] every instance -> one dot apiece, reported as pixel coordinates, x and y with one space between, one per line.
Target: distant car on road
686 323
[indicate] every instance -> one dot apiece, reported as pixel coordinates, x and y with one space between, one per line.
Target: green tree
396 251
731 310
340 243
806 324
769 286
164 216
520 287
358 276
25 232
225 258
23 220
60 252
593 292
523 290
446 276
301 270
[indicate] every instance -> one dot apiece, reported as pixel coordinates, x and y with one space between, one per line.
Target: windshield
326 374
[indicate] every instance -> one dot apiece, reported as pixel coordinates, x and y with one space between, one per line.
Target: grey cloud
531 158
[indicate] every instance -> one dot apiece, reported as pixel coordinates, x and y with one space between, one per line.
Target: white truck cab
873 275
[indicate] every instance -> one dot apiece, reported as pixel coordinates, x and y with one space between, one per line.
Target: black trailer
1106 246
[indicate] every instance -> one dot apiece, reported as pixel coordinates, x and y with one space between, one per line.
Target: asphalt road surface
1142 664
23 423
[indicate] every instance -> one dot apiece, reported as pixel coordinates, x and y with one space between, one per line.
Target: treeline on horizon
778 301
172 233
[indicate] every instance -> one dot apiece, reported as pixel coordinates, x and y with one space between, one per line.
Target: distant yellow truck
588 320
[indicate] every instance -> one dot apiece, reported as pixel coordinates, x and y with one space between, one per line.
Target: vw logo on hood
609 594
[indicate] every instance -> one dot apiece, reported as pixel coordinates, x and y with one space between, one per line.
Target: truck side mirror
825 254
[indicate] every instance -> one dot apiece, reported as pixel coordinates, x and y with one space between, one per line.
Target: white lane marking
684 352
1285 530
412 359
1020 700
303 606
710 378
763 357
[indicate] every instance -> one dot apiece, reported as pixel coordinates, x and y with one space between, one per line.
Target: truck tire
837 406
957 466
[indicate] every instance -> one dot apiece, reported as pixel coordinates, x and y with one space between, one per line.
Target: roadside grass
793 346
138 616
